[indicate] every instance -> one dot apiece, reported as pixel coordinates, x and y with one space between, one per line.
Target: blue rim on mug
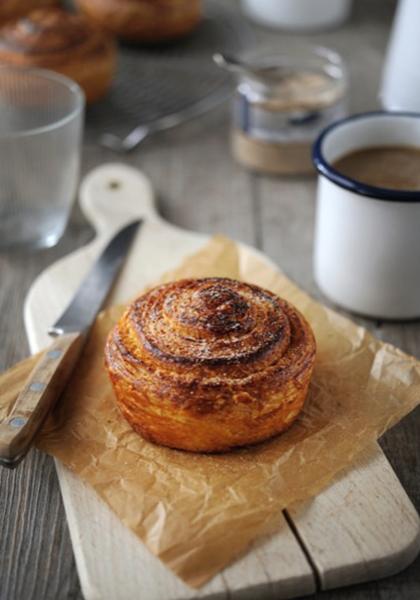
377 193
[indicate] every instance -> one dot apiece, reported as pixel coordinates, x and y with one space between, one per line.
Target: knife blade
51 373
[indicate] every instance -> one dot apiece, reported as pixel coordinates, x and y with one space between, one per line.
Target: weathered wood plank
31 515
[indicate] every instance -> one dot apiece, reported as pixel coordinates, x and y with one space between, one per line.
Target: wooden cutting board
362 527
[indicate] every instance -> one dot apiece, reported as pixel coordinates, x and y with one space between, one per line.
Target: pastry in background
144 21
13 9
69 44
210 364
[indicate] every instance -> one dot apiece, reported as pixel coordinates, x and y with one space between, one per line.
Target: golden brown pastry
12 9
209 364
148 21
54 39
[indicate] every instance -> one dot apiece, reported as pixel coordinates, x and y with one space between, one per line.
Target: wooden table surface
199 187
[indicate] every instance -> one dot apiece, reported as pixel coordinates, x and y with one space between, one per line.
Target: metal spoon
268 74
264 72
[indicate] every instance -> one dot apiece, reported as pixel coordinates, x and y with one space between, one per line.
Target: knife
51 373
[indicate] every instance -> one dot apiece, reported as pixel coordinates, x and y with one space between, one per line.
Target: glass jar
282 104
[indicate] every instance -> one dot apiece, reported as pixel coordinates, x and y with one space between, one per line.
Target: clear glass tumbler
41 123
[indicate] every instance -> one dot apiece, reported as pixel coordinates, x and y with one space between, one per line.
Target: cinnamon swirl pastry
147 21
54 39
13 9
210 364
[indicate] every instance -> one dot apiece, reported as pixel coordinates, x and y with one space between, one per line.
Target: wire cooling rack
153 82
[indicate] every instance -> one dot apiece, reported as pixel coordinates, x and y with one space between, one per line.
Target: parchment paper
197 512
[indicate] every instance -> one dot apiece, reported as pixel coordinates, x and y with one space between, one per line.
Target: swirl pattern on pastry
210 364
55 39
148 21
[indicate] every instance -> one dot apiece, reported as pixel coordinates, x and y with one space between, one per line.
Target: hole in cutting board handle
114 184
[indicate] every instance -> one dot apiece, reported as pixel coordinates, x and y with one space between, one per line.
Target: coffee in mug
392 167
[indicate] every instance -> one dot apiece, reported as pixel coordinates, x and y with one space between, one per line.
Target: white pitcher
401 76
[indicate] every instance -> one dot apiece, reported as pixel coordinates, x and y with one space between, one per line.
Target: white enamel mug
367 239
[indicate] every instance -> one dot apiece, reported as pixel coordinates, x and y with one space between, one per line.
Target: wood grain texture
202 189
150 579
342 522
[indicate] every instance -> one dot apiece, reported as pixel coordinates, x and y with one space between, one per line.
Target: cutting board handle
114 194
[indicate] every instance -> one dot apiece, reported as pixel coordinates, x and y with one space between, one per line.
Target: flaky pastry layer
210 364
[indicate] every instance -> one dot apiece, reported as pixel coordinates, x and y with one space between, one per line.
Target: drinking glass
41 122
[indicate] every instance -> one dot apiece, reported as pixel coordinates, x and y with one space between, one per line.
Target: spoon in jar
269 74
260 71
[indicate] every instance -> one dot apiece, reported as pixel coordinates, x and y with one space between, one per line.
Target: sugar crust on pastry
210 364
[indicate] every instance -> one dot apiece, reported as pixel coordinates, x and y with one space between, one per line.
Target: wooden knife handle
38 396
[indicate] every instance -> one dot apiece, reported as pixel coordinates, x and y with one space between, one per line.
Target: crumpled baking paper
197 512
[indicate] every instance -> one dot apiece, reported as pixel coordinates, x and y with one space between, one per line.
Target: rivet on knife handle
40 393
